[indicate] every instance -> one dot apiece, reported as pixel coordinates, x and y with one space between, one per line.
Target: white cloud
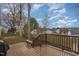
55 17
63 23
69 24
55 6
60 14
38 19
58 9
61 11
66 17
36 6
73 21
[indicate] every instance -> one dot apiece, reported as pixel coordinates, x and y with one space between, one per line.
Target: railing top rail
61 35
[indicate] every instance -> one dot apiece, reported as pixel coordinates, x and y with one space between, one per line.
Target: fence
64 42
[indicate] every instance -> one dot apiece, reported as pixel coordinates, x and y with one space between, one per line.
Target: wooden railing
64 42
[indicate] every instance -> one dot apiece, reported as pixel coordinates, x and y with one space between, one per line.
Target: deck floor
21 49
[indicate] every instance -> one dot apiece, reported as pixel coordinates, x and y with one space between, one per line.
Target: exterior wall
58 31
3 30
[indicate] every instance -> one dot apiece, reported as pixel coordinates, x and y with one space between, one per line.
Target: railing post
46 39
72 44
78 45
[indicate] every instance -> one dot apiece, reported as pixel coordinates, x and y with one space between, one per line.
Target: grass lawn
12 39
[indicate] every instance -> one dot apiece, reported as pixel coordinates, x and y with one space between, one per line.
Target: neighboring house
67 31
64 31
49 32
3 29
34 31
38 31
42 31
56 30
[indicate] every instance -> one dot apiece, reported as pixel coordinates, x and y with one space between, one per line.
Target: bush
12 30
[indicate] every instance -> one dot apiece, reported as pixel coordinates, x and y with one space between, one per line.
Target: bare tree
46 21
20 20
29 12
15 15
13 11
0 13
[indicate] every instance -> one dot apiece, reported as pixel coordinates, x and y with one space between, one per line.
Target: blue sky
60 15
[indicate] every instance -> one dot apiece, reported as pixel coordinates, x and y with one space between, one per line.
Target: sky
60 14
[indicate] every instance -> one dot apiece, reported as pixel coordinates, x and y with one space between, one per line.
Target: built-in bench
29 43
35 41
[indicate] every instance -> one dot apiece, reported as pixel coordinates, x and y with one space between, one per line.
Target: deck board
21 49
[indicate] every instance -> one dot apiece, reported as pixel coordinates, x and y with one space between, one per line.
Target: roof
40 30
74 30
43 31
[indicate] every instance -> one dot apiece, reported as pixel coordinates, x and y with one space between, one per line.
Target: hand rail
65 42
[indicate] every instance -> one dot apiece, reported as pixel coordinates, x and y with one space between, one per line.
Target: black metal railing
64 42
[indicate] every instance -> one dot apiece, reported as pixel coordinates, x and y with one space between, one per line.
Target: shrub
12 30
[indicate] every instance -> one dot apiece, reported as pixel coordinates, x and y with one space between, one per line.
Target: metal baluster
46 44
56 40
62 44
78 45
69 43
53 40
65 42
75 44
40 45
72 44
59 40
58 44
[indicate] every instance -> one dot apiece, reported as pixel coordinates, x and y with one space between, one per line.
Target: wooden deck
21 49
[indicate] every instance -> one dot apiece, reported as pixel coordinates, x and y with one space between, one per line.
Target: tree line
13 15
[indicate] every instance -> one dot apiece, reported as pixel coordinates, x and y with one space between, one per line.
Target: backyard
40 29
